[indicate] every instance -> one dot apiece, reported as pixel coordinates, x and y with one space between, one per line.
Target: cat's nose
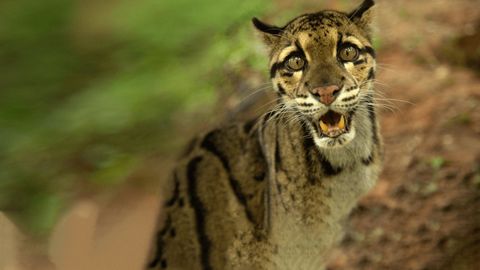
326 94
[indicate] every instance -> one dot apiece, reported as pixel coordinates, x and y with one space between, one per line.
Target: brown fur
273 195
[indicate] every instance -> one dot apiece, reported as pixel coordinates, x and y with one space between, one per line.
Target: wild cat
272 193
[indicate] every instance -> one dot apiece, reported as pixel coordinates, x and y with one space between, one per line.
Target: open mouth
333 124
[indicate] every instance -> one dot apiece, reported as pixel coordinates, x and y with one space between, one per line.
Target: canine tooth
323 126
341 123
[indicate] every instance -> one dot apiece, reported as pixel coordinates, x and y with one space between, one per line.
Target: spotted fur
271 194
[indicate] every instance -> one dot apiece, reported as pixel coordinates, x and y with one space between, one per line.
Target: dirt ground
424 212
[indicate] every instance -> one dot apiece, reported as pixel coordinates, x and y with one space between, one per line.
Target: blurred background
97 98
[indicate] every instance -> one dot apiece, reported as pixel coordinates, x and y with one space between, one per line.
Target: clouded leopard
271 194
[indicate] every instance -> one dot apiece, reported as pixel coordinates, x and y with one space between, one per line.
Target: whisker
269 103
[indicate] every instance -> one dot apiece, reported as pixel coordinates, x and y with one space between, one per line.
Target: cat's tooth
323 126
341 123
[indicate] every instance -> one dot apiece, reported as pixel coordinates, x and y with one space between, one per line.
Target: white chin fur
340 141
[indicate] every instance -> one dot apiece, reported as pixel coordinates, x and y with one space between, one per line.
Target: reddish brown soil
425 211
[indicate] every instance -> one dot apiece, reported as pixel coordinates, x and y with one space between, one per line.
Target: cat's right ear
271 34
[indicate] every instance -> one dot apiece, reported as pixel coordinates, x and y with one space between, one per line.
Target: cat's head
322 66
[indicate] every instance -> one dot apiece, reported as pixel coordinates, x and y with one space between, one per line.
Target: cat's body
272 194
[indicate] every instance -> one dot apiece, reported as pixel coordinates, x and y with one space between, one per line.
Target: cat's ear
271 34
362 16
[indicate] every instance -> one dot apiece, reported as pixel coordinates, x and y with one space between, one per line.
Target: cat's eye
348 53
295 63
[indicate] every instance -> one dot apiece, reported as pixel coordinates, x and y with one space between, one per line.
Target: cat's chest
306 220
312 200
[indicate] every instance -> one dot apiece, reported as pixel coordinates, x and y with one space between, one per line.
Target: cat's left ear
270 33
362 16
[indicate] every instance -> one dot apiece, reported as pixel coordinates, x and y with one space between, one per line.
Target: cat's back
216 192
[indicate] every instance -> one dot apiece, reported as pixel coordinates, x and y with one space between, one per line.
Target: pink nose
326 94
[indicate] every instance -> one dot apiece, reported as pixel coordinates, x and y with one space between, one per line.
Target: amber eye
348 53
295 63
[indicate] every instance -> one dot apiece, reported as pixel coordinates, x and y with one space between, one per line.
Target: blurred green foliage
437 162
90 88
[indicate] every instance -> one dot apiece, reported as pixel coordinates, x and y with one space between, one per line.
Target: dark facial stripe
304 104
371 74
299 49
350 104
274 68
310 110
351 88
373 119
281 90
339 41
200 213
209 145
286 74
370 51
349 98
359 62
